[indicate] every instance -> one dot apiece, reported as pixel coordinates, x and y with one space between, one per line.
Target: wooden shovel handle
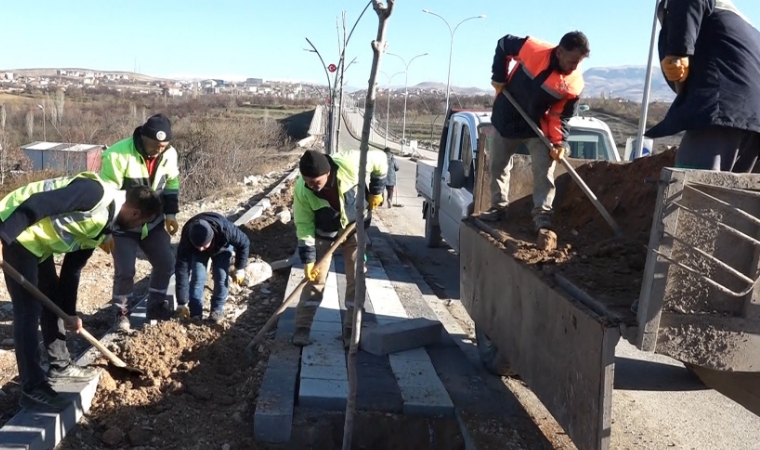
7 268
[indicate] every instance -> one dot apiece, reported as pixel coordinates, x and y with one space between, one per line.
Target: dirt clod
547 240
587 253
113 436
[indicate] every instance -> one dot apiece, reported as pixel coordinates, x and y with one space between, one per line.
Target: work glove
108 245
557 151
498 86
310 272
182 311
73 324
172 226
375 201
239 276
675 68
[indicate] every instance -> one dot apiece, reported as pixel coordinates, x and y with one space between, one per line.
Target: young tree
378 48
30 125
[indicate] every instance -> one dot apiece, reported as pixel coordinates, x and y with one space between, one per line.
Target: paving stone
273 419
320 372
400 336
328 395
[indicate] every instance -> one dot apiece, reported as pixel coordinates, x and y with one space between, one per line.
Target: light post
44 119
451 47
388 106
406 93
330 121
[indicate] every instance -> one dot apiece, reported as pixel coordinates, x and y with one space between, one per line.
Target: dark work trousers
717 148
29 313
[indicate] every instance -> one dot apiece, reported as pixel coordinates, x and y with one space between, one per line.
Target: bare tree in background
378 48
58 102
3 116
30 125
3 144
133 112
144 115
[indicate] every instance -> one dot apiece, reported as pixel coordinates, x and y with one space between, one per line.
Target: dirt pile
587 252
199 391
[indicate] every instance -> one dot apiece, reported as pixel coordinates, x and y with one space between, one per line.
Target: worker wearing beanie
324 203
146 158
205 236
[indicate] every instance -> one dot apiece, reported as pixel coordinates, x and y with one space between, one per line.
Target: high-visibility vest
62 233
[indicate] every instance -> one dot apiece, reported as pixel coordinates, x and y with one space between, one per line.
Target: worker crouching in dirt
547 84
324 203
146 158
710 56
207 236
70 215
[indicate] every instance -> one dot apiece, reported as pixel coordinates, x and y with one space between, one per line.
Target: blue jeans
220 269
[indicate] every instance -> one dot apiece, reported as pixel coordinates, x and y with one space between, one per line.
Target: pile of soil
200 390
609 269
269 236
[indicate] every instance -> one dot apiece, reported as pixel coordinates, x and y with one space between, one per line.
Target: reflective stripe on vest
62 233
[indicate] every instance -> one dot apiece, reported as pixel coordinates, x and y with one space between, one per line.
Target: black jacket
226 233
723 86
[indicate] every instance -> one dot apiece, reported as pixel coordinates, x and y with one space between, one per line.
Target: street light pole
388 106
330 124
406 93
451 48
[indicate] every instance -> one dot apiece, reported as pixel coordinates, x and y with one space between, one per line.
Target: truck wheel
492 360
432 234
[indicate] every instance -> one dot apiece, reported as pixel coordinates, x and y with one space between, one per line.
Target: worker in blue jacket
205 236
710 56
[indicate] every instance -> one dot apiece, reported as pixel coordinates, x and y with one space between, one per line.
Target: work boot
158 311
494 214
301 337
542 222
216 317
72 373
43 398
121 321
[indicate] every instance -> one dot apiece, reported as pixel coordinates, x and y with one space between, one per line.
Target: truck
698 301
445 206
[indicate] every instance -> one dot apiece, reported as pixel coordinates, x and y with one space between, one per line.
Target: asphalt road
657 404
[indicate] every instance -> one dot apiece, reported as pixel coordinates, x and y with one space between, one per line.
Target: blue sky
264 38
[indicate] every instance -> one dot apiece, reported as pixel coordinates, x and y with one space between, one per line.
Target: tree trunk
378 48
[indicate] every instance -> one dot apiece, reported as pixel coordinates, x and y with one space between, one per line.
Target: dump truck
693 296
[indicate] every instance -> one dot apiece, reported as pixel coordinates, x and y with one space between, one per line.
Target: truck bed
588 255
424 178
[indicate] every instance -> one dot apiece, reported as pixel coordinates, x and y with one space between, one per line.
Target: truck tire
492 360
432 234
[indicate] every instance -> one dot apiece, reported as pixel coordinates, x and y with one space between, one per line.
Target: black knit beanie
313 164
157 127
200 233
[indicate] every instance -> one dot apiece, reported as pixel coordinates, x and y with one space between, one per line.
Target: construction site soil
588 254
199 391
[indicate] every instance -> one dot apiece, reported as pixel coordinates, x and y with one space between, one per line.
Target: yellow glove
675 68
172 226
375 201
557 151
310 272
498 86
239 276
182 311
108 245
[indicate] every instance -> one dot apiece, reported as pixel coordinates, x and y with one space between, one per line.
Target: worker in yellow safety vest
324 203
145 159
71 215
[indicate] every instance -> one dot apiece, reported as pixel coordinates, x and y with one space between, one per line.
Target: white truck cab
447 201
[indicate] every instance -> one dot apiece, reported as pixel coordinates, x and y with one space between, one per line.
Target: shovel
294 295
586 190
115 360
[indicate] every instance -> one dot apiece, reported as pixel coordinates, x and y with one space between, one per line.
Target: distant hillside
52 72
625 82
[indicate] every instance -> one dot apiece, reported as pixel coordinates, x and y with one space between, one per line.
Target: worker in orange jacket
547 84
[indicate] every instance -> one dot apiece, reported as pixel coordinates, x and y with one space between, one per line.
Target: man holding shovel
207 236
324 203
70 215
547 84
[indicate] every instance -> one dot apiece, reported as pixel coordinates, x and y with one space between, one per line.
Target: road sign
332 68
